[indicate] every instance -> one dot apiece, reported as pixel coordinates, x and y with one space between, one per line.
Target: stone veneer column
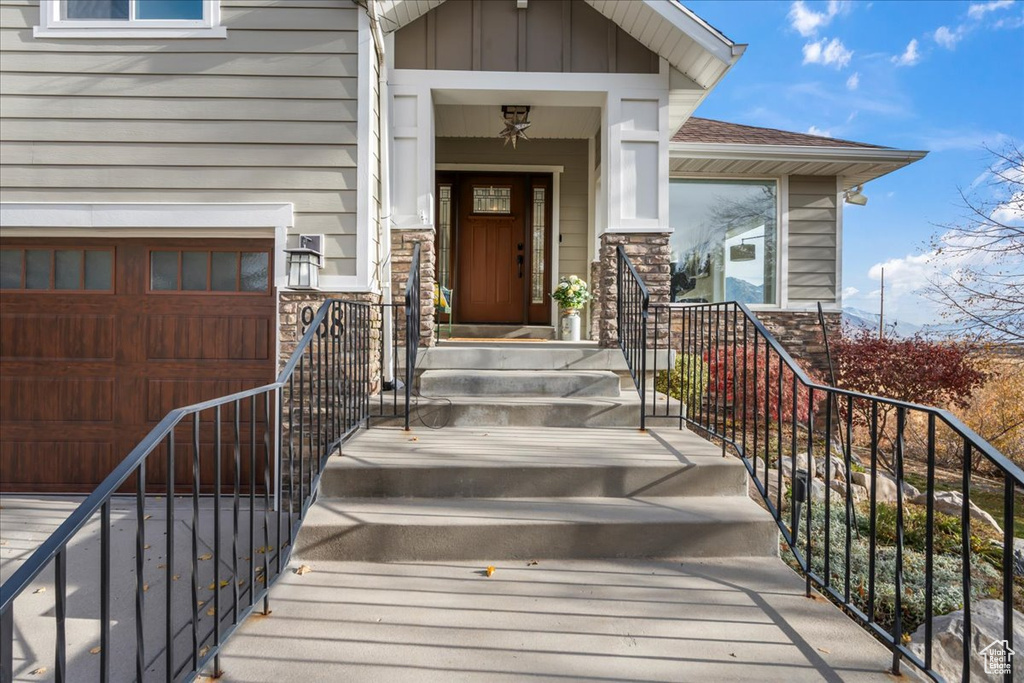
650 255
292 302
402 242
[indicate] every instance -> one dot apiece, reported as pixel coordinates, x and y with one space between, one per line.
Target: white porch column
412 161
635 161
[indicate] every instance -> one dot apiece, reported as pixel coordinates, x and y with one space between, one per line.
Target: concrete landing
701 621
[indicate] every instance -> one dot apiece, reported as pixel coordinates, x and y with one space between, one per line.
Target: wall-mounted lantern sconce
304 262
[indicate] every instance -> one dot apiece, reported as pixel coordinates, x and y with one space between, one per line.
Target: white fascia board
503 83
146 215
708 150
705 35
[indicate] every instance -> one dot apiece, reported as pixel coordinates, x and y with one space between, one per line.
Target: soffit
479 121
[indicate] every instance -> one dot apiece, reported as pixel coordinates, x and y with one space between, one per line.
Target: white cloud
948 39
814 130
1010 22
831 53
806 21
853 81
850 291
1010 212
978 10
949 140
910 56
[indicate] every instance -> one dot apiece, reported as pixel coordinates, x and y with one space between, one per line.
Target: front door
491 250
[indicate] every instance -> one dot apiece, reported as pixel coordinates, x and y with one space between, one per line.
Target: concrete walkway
614 620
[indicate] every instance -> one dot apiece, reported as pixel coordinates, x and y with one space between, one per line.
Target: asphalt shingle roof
697 129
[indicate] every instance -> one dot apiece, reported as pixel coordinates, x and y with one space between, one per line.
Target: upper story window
725 240
129 19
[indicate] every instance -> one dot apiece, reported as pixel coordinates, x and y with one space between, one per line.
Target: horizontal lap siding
266 115
813 239
572 209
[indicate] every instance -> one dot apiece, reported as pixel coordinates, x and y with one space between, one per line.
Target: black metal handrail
414 311
737 385
633 301
264 449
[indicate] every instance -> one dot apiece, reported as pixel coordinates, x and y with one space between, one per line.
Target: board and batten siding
572 206
813 239
266 115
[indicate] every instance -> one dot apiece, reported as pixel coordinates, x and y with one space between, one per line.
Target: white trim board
140 216
499 168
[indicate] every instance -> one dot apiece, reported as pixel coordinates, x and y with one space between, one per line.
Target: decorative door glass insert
537 246
444 220
496 200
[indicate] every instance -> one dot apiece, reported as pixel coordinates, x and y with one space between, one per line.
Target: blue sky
947 77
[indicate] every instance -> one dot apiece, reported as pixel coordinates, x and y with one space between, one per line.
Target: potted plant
571 294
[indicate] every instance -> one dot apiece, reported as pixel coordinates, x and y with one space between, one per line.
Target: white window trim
51 25
782 233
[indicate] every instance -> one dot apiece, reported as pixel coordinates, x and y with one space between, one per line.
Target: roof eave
721 150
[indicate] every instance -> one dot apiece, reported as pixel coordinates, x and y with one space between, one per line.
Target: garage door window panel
57 270
216 272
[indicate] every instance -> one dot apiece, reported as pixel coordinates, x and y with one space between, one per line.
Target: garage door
100 339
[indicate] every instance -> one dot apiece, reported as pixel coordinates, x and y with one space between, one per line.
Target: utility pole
881 310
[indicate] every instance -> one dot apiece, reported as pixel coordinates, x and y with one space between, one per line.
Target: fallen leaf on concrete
39 590
732 654
207 556
96 650
146 547
211 612
161 566
200 603
415 438
148 517
40 671
145 587
531 563
3 542
491 570
821 649
303 569
176 577
203 650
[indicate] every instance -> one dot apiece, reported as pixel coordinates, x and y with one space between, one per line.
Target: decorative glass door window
494 200
444 238
724 241
537 244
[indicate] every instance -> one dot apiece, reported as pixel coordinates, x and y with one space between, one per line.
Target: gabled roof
699 55
705 146
698 129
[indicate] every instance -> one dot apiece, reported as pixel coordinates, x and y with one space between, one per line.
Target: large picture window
725 240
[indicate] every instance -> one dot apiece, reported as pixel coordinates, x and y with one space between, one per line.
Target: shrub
689 380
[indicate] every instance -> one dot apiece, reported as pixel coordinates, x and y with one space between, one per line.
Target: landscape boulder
986 629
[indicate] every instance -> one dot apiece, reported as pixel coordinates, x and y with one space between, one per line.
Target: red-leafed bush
749 377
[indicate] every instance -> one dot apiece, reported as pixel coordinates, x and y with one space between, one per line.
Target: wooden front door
491 250
99 341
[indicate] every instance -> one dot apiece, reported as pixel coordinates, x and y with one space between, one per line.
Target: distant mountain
859 319
743 291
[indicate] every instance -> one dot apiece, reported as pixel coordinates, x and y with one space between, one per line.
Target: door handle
519 260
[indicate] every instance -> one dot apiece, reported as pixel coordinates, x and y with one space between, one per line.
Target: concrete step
526 356
550 383
486 411
491 529
481 331
504 462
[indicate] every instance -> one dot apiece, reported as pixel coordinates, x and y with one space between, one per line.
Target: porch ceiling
856 166
484 121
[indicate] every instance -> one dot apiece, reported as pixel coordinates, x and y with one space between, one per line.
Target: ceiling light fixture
516 119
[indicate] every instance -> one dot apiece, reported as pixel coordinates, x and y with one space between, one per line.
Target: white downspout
384 153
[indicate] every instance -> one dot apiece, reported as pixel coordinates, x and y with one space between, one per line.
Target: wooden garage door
99 340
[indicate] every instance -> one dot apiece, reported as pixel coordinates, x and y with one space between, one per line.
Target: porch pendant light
516 121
